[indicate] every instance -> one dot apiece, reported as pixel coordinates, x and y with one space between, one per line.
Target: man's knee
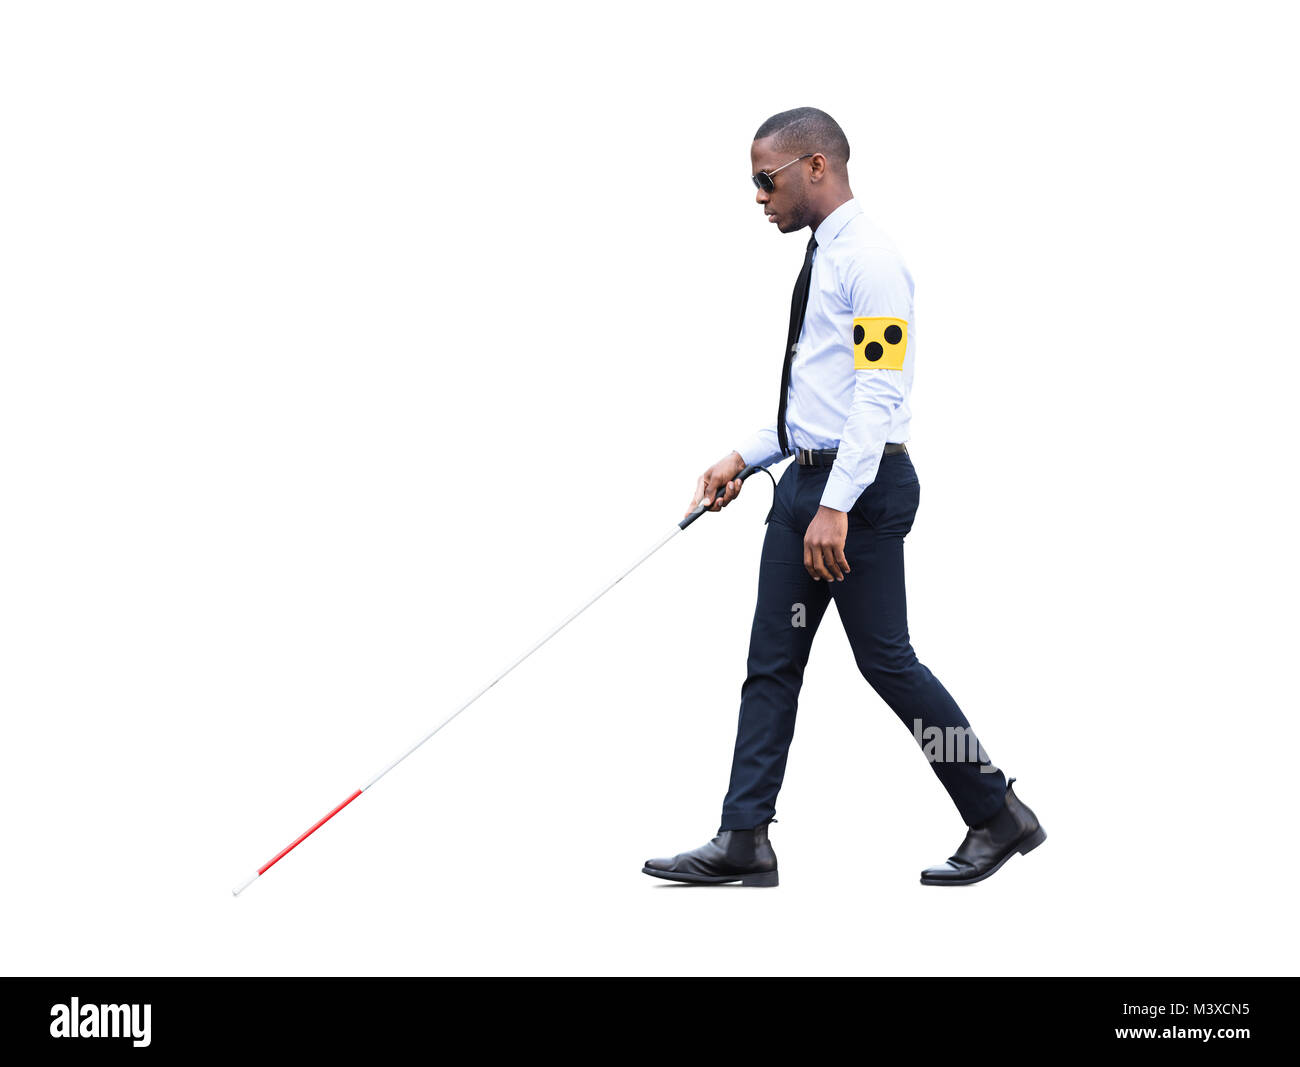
887 667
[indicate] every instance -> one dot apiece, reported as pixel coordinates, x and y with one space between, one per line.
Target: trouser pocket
887 506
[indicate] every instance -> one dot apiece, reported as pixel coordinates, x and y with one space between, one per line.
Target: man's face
787 204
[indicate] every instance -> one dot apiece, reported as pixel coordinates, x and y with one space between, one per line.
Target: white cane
678 528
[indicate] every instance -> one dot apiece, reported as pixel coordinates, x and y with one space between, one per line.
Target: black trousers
872 604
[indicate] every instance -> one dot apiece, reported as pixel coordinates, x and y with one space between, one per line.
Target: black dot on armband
893 334
858 334
873 351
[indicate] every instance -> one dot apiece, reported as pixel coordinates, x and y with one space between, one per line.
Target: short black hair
806 129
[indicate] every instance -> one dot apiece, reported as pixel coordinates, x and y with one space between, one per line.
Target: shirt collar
836 221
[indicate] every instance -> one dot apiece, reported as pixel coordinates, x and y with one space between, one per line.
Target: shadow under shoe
743 856
990 844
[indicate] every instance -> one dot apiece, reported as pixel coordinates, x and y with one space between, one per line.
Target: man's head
807 189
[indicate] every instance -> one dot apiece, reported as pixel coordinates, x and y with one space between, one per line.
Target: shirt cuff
841 491
760 449
838 496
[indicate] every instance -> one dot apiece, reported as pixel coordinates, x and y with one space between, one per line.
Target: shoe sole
1028 845
758 878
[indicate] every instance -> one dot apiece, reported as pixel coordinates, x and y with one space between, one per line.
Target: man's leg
789 609
872 602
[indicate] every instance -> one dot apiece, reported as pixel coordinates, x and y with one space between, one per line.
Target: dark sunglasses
763 179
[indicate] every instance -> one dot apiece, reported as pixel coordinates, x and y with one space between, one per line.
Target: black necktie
798 305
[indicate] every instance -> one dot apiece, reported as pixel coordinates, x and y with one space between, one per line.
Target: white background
348 347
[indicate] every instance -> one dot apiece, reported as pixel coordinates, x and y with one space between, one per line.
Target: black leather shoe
743 856
990 844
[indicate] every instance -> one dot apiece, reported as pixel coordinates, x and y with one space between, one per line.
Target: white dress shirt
837 399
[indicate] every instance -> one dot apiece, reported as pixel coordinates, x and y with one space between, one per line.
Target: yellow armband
879 343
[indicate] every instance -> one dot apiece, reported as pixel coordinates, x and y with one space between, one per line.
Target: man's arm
879 292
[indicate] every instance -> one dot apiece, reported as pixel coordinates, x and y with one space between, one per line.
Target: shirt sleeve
761 447
878 289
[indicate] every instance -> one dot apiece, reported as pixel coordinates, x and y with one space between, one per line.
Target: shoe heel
763 878
1033 841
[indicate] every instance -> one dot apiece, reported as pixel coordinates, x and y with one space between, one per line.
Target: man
836 527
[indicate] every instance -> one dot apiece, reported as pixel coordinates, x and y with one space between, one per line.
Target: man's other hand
717 478
823 545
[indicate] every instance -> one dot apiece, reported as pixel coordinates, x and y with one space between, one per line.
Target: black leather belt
825 457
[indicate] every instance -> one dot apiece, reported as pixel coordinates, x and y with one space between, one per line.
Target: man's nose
761 196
